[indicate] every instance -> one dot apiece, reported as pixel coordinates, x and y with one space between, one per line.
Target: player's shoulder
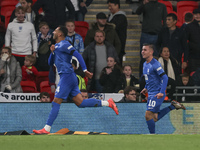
155 63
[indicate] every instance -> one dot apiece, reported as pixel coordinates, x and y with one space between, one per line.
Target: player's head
99 37
70 25
164 53
20 13
127 70
113 6
44 28
29 60
44 97
60 32
147 50
84 93
130 93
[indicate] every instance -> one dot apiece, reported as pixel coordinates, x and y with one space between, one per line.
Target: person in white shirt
21 36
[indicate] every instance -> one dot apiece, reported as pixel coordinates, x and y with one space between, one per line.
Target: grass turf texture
100 142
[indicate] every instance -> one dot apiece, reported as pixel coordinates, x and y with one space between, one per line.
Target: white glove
4 57
8 87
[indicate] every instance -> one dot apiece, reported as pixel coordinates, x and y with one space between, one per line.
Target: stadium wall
29 116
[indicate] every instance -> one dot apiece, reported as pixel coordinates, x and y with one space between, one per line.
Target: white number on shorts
152 103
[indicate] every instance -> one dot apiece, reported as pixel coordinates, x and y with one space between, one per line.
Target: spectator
185 80
95 56
193 37
74 38
44 97
171 68
130 95
84 93
109 76
10 72
196 77
20 35
45 39
118 17
29 72
126 79
2 39
154 17
30 15
80 7
175 39
54 10
188 19
108 28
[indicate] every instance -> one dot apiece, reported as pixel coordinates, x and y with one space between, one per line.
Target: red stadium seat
28 87
7 18
185 6
168 6
81 27
42 76
7 6
45 87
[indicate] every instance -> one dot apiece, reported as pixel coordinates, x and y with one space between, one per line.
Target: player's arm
82 63
163 86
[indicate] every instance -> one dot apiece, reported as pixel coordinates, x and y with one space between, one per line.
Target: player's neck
60 39
149 59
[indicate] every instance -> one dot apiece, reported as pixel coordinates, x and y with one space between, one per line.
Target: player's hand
88 74
144 91
159 95
52 48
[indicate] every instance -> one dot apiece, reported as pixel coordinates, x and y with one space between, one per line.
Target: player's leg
166 110
92 102
150 121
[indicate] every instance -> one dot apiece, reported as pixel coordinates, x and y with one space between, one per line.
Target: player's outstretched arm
81 60
144 91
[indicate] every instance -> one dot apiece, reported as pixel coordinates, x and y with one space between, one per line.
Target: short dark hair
127 66
150 45
64 30
188 17
128 89
44 94
70 20
29 1
116 2
173 15
8 48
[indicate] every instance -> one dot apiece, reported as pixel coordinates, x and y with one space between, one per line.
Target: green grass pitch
100 142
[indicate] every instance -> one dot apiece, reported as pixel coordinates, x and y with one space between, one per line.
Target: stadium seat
28 87
185 6
81 27
45 87
7 18
42 76
168 6
7 6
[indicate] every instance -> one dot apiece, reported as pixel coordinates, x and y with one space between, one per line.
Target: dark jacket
89 56
34 17
54 10
121 24
125 100
153 15
177 43
111 36
122 84
109 81
83 10
193 36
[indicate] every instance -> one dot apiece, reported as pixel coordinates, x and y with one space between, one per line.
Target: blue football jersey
62 57
152 72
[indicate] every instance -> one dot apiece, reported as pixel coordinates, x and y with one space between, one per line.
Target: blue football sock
151 126
91 102
164 111
53 114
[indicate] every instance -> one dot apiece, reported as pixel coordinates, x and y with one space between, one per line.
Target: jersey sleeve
158 68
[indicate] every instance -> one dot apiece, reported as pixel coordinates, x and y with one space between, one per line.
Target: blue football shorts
67 86
153 103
